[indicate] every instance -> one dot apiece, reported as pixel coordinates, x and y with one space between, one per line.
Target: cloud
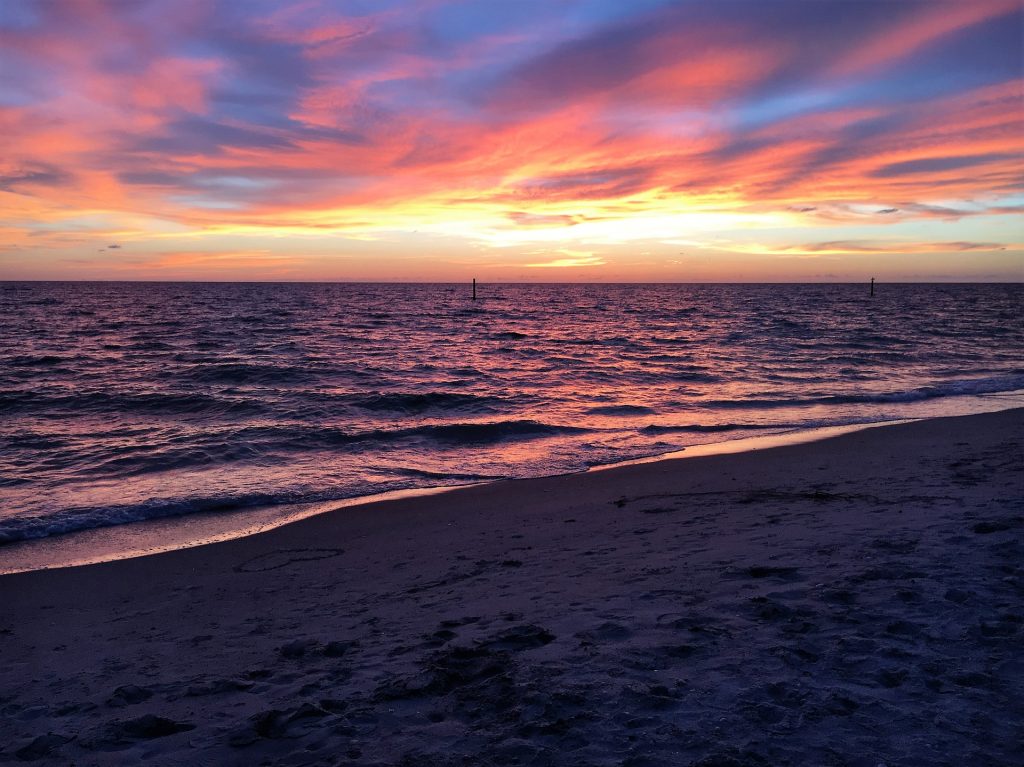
924 25
523 123
568 262
600 183
941 164
522 218
23 179
892 247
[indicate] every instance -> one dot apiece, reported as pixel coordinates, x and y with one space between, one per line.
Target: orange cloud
925 25
569 261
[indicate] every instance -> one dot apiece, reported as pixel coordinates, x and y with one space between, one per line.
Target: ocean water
122 402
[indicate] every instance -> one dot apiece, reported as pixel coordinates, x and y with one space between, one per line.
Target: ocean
122 402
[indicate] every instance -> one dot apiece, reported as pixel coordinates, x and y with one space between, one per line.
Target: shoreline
130 540
175 532
848 601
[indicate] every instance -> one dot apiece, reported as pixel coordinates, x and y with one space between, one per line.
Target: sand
855 601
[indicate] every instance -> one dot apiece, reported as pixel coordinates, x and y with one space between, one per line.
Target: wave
148 345
697 428
247 373
454 433
13 529
266 445
36 360
444 476
509 335
693 376
418 402
152 403
958 388
619 410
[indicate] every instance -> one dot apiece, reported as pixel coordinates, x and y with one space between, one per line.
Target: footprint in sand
275 560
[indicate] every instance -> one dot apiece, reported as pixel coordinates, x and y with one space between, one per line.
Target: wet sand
856 601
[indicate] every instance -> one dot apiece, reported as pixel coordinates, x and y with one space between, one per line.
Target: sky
521 140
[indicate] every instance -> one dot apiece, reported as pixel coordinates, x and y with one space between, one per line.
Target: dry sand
856 601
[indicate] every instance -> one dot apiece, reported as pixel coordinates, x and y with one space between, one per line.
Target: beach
526 384
853 601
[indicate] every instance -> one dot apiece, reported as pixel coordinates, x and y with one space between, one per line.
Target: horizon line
479 282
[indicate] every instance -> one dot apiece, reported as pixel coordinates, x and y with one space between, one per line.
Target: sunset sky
434 140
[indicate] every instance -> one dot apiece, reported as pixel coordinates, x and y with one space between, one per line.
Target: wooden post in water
474 288
872 287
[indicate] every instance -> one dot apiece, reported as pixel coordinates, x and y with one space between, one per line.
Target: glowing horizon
580 141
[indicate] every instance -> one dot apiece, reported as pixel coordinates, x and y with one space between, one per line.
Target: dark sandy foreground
857 601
